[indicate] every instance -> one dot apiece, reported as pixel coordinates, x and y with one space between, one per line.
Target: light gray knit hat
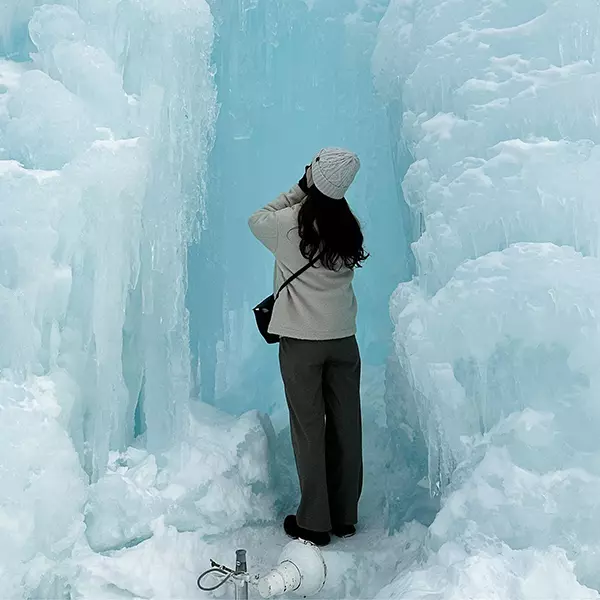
334 170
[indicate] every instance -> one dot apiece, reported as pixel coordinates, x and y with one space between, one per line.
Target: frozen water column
167 60
110 113
164 51
498 334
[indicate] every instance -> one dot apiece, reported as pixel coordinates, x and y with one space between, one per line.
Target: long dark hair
328 228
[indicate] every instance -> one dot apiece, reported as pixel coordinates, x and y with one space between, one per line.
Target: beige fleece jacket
320 304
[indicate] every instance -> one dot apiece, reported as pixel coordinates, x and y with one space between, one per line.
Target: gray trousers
322 386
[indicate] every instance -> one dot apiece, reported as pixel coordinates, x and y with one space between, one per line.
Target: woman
315 317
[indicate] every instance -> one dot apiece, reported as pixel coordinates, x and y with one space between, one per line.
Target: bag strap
297 274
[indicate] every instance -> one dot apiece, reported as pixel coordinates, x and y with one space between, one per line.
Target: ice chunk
42 493
483 346
111 181
87 71
92 75
63 236
48 125
214 481
495 574
480 206
53 23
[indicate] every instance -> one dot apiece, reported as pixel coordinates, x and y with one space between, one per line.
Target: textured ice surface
116 486
38 526
91 263
498 335
214 481
103 150
492 573
292 76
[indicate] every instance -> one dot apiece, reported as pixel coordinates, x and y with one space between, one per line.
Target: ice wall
498 335
107 114
111 143
292 76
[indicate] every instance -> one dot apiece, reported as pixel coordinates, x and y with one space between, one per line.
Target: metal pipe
241 566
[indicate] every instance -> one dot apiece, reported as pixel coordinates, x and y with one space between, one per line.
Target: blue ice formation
135 137
105 154
103 146
142 428
498 334
292 77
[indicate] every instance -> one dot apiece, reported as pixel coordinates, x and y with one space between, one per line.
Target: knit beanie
333 171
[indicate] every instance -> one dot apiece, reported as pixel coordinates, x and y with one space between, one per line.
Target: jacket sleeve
264 223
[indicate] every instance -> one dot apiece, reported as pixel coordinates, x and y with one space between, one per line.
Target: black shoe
344 531
318 538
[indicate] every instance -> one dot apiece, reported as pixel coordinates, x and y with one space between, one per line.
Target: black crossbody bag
264 311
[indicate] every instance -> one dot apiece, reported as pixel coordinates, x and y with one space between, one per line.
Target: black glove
303 183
